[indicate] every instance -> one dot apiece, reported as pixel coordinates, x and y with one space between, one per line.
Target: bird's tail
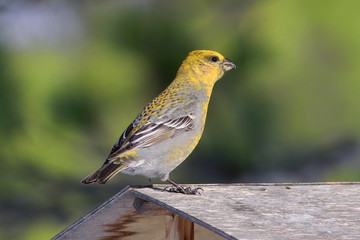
107 171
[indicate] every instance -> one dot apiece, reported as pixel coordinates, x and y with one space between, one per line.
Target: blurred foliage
289 112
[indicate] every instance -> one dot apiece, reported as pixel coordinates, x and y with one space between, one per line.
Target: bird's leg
180 189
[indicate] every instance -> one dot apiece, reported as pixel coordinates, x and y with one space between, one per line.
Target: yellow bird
167 130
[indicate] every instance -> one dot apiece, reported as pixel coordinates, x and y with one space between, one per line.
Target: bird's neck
192 79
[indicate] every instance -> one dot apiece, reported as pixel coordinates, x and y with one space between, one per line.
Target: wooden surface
232 211
127 217
269 211
178 228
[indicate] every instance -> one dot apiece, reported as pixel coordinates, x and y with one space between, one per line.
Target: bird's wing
122 139
149 134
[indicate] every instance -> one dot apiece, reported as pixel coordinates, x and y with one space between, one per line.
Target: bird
168 129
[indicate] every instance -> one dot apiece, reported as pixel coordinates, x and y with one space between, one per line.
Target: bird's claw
184 190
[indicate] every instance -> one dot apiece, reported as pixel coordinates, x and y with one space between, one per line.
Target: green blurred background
74 74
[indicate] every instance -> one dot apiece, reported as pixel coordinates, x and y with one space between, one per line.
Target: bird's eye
214 59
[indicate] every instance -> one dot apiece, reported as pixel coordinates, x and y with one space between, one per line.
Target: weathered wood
269 211
178 228
231 211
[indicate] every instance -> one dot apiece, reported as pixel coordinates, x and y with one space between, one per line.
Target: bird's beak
228 65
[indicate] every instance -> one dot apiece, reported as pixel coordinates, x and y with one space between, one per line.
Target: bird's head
208 65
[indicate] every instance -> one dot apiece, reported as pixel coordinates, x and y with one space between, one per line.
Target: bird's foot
184 190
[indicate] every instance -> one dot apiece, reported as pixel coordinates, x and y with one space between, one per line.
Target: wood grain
231 211
178 228
269 211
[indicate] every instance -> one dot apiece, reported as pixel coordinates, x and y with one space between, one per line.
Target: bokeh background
74 74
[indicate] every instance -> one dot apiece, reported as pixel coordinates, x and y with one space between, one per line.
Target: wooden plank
268 211
178 228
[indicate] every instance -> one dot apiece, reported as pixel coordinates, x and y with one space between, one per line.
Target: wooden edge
77 223
181 214
254 184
